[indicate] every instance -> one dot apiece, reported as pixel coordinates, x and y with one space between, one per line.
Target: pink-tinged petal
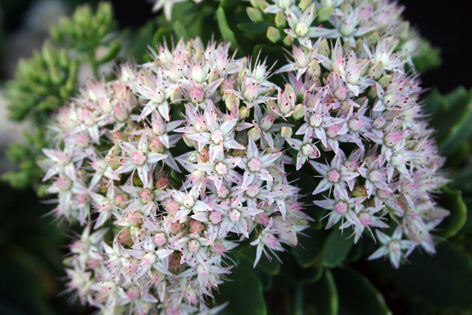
201 206
125 168
381 252
301 159
269 159
322 186
383 238
143 173
233 144
155 157
202 138
265 175
164 110
303 129
127 147
248 179
228 126
294 143
321 134
252 150
321 168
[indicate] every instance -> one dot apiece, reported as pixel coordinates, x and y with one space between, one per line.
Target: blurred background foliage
314 278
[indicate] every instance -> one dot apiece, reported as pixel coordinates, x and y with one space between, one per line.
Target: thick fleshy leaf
243 291
291 274
452 201
310 248
271 267
452 118
357 295
224 28
336 248
443 280
322 296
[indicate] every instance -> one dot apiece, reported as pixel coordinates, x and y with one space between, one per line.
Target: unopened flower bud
314 69
254 133
254 14
288 40
160 239
286 132
323 48
231 101
375 71
324 14
273 34
304 4
385 80
244 112
280 20
299 111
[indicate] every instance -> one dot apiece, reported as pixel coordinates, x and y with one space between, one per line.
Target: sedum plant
215 169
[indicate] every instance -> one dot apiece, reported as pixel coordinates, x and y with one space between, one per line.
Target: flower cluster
154 240
179 160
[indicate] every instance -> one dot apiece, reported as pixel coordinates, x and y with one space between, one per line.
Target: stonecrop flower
179 160
166 251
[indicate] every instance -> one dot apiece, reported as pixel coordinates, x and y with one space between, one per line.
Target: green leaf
452 201
253 28
428 58
336 248
452 118
224 28
112 53
443 280
243 291
322 296
357 295
271 267
310 248
179 30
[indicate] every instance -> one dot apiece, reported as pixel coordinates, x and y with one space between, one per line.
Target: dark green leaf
336 248
271 267
243 291
224 28
452 201
310 247
253 28
322 296
357 295
443 280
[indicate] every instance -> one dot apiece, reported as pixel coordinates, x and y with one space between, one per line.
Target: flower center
234 215
139 158
254 165
217 136
334 176
221 168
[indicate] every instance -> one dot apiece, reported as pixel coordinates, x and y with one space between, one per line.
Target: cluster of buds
179 160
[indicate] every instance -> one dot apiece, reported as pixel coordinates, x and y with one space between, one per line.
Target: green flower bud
255 15
305 4
385 81
299 112
323 48
376 70
254 133
324 14
280 20
244 112
286 132
288 40
273 34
